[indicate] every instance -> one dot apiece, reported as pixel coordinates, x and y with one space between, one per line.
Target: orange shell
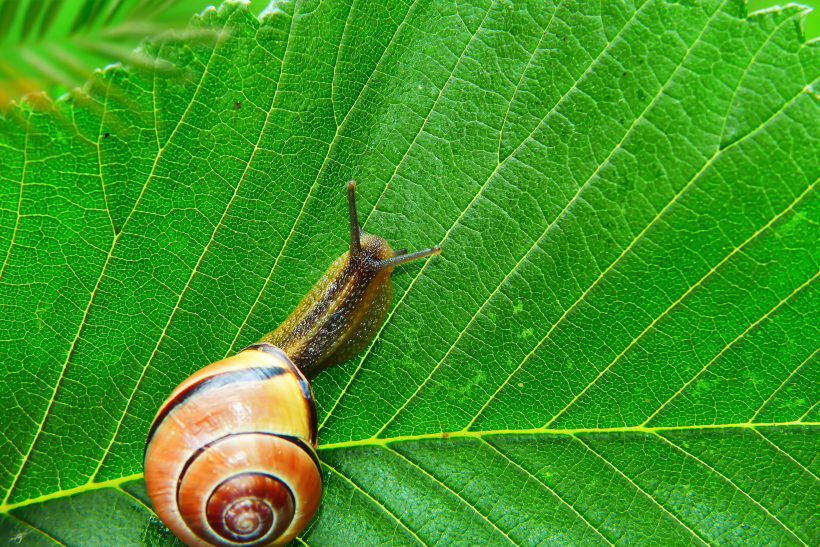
253 412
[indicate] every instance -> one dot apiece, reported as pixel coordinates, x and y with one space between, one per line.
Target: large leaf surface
617 346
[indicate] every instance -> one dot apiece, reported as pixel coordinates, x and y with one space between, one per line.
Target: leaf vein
99 157
815 405
800 465
336 65
21 535
479 513
730 481
678 301
521 78
745 73
554 493
20 198
695 535
135 498
730 344
783 384
374 500
446 85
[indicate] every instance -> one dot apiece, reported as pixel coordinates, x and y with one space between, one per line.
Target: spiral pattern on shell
230 457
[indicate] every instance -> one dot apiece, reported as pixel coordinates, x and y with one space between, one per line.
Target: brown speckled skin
340 315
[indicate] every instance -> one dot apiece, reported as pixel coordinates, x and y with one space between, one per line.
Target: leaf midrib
369 442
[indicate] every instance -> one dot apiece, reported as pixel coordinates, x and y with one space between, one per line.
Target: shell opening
250 506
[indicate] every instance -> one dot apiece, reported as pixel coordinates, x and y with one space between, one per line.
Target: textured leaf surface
618 345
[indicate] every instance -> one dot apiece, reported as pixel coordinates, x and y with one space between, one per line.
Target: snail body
230 458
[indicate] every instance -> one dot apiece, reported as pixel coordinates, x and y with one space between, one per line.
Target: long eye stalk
355 228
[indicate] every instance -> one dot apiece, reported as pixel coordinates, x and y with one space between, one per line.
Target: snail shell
230 456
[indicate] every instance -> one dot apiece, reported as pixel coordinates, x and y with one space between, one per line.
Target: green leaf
618 345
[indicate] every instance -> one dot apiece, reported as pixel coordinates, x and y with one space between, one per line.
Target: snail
230 457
